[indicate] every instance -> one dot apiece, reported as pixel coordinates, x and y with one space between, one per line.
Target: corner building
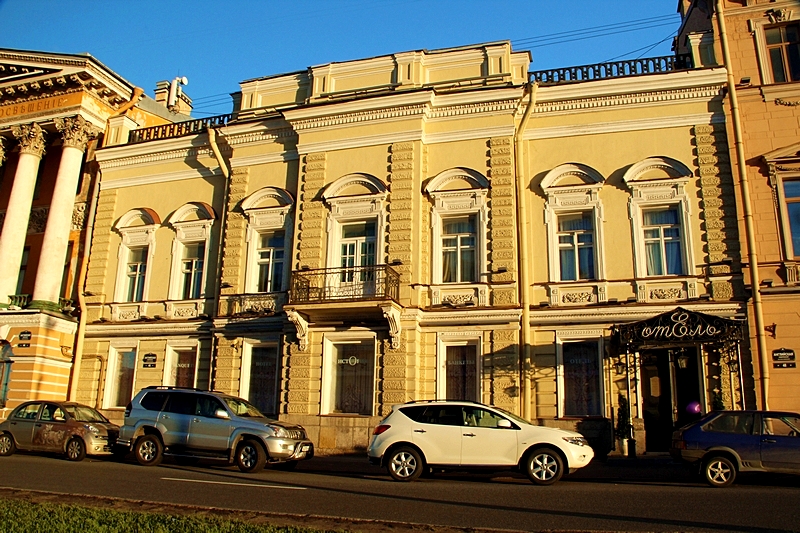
425 225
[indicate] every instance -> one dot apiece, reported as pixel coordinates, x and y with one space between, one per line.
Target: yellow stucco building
429 224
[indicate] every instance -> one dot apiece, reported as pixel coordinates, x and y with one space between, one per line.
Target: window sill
781 91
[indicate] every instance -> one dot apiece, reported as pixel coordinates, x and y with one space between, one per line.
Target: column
31 138
75 132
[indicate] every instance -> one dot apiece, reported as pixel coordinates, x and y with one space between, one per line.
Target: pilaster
502 220
401 222
99 260
228 365
312 213
234 248
504 369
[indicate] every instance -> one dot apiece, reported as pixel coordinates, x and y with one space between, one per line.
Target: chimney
171 95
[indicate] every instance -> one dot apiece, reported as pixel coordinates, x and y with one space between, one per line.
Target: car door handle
195 419
420 431
165 416
768 440
469 434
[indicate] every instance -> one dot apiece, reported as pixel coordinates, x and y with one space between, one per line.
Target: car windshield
82 413
242 408
512 416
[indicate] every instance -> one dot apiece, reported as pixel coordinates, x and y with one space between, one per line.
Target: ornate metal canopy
676 327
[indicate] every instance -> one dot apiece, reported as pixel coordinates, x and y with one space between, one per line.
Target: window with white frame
783 48
180 368
576 246
120 376
660 213
349 375
260 383
574 219
192 224
785 181
459 253
791 193
581 375
269 232
137 228
459 222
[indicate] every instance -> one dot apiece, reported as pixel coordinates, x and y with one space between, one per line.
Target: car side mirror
221 413
503 423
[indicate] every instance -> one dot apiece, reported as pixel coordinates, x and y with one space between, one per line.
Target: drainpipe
752 255
223 166
135 97
524 230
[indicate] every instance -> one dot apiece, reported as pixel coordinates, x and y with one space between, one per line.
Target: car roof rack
172 387
443 400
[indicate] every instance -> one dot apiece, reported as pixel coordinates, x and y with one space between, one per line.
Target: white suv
427 435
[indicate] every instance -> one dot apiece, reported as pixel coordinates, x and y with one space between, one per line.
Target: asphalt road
621 495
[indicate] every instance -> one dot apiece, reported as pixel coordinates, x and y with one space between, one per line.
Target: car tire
148 450
250 456
404 464
719 471
544 466
7 445
76 449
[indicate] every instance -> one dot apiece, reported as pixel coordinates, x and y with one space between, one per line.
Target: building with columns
430 224
53 110
763 42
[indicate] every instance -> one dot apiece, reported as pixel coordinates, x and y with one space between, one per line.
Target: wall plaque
149 360
783 354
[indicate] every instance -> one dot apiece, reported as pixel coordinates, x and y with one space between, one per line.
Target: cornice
476 317
338 109
260 159
154 152
180 175
373 115
574 130
31 318
468 134
611 315
358 142
154 329
495 107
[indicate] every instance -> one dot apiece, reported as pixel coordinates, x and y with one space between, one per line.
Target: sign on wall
149 360
783 358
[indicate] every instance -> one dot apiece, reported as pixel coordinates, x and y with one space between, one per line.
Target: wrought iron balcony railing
177 129
613 69
372 282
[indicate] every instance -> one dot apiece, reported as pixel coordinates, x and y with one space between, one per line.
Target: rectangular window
121 385
662 242
353 376
136 271
791 191
581 363
23 268
576 246
184 371
461 374
192 270
459 259
358 250
783 47
269 261
263 389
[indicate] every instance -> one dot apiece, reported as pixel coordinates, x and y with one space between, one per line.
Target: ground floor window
122 365
461 372
264 379
352 376
183 367
581 373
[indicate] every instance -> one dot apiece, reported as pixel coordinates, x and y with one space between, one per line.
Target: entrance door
357 248
264 375
670 383
461 373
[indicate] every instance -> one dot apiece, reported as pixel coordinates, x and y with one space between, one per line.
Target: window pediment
570 177
659 169
456 179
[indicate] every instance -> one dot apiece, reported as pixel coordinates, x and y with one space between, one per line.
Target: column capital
75 131
31 138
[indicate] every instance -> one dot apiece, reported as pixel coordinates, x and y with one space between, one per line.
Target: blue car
724 443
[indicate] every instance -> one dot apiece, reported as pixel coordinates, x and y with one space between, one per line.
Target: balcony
177 129
345 284
613 69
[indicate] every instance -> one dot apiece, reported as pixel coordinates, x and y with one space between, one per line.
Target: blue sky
218 43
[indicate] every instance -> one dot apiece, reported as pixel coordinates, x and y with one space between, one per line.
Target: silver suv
193 424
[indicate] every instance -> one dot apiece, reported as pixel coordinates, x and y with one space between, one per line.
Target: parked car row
416 438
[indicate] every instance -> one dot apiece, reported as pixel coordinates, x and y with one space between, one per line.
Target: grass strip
18 516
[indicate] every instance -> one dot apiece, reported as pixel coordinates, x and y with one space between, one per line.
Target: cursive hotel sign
680 325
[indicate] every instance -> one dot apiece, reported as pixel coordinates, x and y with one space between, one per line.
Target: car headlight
577 441
93 429
279 431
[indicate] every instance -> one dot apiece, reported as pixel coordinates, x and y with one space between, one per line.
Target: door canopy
679 326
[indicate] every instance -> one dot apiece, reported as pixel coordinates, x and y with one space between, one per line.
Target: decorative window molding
454 339
784 168
574 362
138 230
660 183
758 28
267 211
355 198
192 223
457 193
571 189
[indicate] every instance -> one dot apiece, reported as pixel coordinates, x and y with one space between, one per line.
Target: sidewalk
658 468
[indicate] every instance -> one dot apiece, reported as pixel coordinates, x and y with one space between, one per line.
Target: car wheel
148 450
76 449
250 456
7 446
719 471
544 466
405 464
288 465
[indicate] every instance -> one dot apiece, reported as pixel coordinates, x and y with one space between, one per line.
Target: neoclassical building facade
429 224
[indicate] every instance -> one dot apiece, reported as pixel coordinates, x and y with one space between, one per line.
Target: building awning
677 327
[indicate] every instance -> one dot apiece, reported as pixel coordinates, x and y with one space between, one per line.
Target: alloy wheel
248 456
148 450
544 467
6 444
404 464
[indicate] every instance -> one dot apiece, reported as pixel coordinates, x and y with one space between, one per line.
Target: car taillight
128 410
380 429
679 444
